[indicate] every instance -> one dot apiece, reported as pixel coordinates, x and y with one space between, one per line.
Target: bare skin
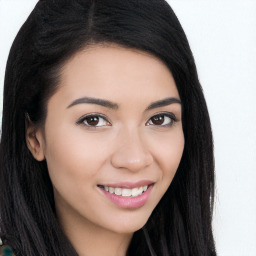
88 145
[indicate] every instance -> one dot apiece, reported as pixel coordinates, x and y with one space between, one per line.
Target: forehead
116 73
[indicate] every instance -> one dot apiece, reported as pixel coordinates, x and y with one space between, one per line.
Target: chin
130 225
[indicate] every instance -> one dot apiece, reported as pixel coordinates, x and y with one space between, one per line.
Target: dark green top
5 250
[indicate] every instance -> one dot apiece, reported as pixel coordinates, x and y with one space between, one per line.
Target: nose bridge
131 151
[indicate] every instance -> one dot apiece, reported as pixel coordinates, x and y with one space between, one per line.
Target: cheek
169 153
74 160
74 154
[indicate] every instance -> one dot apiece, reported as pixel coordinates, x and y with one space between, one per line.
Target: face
113 137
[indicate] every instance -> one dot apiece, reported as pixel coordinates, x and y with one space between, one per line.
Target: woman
106 144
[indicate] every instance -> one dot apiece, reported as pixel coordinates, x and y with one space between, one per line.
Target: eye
94 120
162 119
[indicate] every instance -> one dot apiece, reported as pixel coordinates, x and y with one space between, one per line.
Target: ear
34 139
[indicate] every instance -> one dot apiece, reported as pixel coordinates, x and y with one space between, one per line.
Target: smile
125 192
128 195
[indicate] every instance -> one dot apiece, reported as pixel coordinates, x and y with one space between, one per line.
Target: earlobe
34 140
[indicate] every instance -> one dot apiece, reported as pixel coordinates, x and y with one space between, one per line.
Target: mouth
128 195
125 192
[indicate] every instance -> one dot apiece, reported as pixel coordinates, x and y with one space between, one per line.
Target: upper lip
128 184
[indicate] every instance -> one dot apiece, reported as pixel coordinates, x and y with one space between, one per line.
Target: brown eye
162 120
158 120
93 121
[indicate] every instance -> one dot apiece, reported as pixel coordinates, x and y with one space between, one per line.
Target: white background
222 35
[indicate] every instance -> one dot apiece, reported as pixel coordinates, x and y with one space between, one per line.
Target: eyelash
82 120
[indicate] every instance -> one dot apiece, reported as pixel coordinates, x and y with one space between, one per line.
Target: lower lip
129 202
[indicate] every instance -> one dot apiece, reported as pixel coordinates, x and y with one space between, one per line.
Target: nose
131 152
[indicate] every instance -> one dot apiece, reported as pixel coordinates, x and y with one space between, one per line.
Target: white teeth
145 188
135 192
111 190
140 190
118 191
126 192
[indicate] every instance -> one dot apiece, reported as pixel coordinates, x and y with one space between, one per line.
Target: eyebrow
114 106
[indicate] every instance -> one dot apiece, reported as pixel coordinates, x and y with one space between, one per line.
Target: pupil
158 120
93 120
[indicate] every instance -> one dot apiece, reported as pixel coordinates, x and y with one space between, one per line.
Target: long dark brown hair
53 32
